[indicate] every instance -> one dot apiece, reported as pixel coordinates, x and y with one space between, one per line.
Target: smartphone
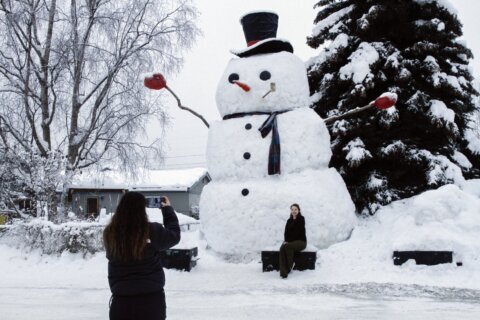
163 200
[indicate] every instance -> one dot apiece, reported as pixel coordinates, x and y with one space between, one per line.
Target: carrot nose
242 85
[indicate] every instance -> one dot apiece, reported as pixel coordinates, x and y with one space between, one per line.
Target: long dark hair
127 233
298 207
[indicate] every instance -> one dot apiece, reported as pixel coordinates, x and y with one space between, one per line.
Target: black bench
304 260
180 259
428 258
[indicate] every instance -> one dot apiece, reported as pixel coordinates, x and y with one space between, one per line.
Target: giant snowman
269 151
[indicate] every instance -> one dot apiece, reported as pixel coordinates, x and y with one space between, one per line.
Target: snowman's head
246 85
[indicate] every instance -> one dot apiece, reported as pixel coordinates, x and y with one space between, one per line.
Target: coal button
248 126
245 192
246 155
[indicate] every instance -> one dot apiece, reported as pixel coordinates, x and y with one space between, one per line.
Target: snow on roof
147 180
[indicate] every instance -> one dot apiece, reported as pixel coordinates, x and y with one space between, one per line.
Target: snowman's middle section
236 149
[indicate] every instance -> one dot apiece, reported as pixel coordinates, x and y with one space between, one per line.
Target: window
25 204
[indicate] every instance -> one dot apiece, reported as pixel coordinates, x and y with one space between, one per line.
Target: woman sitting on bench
294 239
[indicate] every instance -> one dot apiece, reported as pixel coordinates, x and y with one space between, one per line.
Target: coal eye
265 75
233 77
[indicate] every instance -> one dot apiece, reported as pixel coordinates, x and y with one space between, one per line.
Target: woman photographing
133 246
294 240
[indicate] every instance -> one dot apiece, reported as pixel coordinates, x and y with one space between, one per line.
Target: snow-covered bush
50 238
75 236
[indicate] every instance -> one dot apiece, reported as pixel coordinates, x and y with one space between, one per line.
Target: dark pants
145 307
286 255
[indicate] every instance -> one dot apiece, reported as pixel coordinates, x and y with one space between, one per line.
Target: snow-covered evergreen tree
409 47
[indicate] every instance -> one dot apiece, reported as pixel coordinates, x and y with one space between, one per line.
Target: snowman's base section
429 258
239 216
179 259
304 260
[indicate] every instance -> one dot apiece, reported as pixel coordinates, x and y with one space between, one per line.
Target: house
87 200
92 192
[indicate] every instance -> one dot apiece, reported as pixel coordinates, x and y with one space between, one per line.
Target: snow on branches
410 48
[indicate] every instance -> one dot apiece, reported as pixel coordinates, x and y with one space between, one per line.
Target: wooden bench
180 259
428 258
303 260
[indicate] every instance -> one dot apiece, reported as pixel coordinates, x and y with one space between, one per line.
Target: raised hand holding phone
164 201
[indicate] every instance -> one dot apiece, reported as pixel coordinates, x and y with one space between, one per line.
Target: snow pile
189 239
444 219
103 217
186 222
359 66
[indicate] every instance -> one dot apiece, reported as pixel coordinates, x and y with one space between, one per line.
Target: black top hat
260 29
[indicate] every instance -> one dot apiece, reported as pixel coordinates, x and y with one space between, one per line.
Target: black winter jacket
295 229
146 276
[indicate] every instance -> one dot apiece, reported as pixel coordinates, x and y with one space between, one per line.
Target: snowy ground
70 287
354 279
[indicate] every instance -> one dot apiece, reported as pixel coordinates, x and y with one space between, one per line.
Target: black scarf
268 125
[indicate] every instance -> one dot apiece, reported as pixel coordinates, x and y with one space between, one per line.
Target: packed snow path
358 301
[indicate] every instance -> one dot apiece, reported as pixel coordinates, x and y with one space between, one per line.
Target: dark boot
282 263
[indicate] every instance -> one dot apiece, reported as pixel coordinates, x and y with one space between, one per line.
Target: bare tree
70 76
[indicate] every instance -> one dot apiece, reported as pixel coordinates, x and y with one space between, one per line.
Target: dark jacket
295 229
146 276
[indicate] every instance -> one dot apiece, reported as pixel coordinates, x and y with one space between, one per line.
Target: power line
180 168
185 164
186 156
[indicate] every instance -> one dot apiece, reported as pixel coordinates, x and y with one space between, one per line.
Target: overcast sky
186 136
